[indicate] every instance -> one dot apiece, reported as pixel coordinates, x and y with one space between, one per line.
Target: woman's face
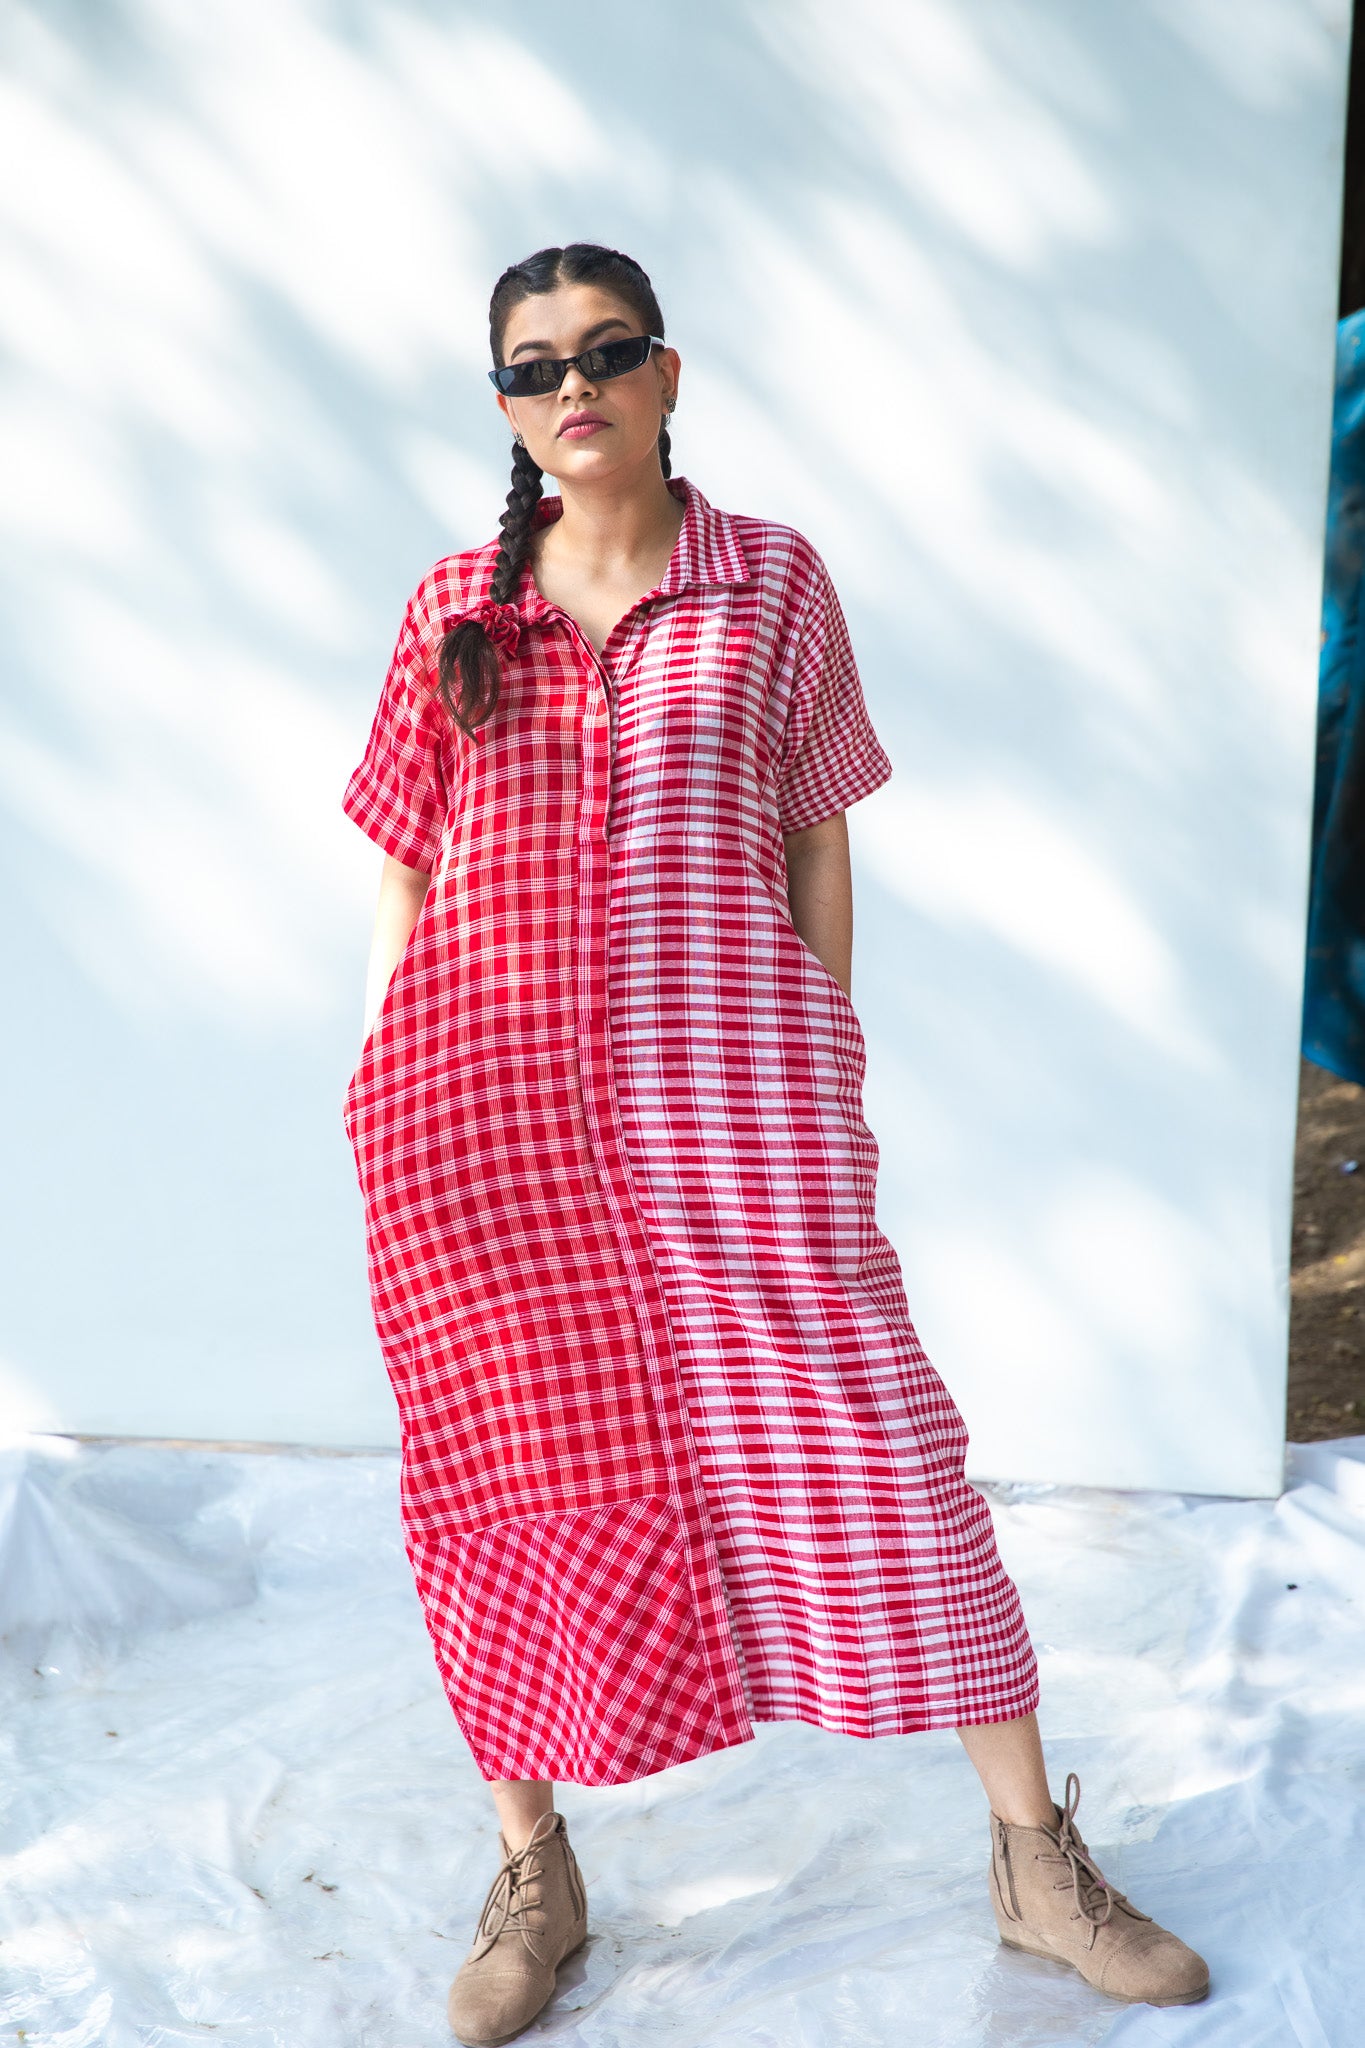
627 410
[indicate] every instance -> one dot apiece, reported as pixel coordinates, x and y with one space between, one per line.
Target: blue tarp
1334 985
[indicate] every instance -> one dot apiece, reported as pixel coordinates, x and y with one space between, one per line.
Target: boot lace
1095 1897
506 1908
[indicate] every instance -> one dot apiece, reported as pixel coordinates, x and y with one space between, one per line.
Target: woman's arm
402 892
820 892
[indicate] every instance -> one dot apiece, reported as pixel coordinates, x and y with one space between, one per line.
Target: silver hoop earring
520 439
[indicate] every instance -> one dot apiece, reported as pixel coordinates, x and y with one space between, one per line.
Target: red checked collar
707 550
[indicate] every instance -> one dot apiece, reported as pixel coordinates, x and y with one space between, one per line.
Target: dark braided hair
467 661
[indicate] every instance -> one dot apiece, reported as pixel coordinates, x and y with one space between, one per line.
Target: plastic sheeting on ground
236 1808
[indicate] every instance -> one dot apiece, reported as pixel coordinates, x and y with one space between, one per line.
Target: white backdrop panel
1023 313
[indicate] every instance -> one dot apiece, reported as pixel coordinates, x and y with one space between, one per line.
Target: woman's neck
606 528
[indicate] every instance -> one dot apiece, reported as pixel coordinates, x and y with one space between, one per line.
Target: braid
468 671
466 651
522 500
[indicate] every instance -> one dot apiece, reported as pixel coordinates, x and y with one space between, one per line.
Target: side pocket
774 900
842 1014
841 995
386 1006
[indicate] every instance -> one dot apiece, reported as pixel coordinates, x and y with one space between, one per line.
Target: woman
674 1460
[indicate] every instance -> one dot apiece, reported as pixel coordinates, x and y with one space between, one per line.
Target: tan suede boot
1051 1899
535 1915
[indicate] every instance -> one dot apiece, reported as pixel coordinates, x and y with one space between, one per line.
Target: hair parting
469 674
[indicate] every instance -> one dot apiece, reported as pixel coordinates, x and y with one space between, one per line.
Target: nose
576 388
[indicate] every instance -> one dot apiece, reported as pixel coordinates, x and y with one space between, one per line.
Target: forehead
562 318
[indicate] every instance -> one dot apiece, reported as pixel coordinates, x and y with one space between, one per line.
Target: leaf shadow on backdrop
987 330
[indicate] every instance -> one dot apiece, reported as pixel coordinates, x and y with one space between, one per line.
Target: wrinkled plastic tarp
236 1807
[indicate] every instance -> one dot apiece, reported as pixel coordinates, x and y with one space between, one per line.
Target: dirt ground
1327 1276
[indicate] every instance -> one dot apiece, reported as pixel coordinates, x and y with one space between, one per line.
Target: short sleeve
396 794
830 755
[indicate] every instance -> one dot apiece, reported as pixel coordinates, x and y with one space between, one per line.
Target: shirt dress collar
706 551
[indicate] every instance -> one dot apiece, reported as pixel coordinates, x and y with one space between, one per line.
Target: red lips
583 419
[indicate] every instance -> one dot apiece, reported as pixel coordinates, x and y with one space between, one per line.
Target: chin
581 462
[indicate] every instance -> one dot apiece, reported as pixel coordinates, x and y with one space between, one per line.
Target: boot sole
1049 1955
501 2040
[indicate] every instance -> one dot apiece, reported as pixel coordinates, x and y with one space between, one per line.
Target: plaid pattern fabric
674 1460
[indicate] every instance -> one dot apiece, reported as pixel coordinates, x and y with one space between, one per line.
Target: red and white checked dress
673 1458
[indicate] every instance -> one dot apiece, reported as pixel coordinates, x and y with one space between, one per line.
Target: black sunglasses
540 374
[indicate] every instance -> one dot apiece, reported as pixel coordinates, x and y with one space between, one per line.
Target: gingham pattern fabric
674 1460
